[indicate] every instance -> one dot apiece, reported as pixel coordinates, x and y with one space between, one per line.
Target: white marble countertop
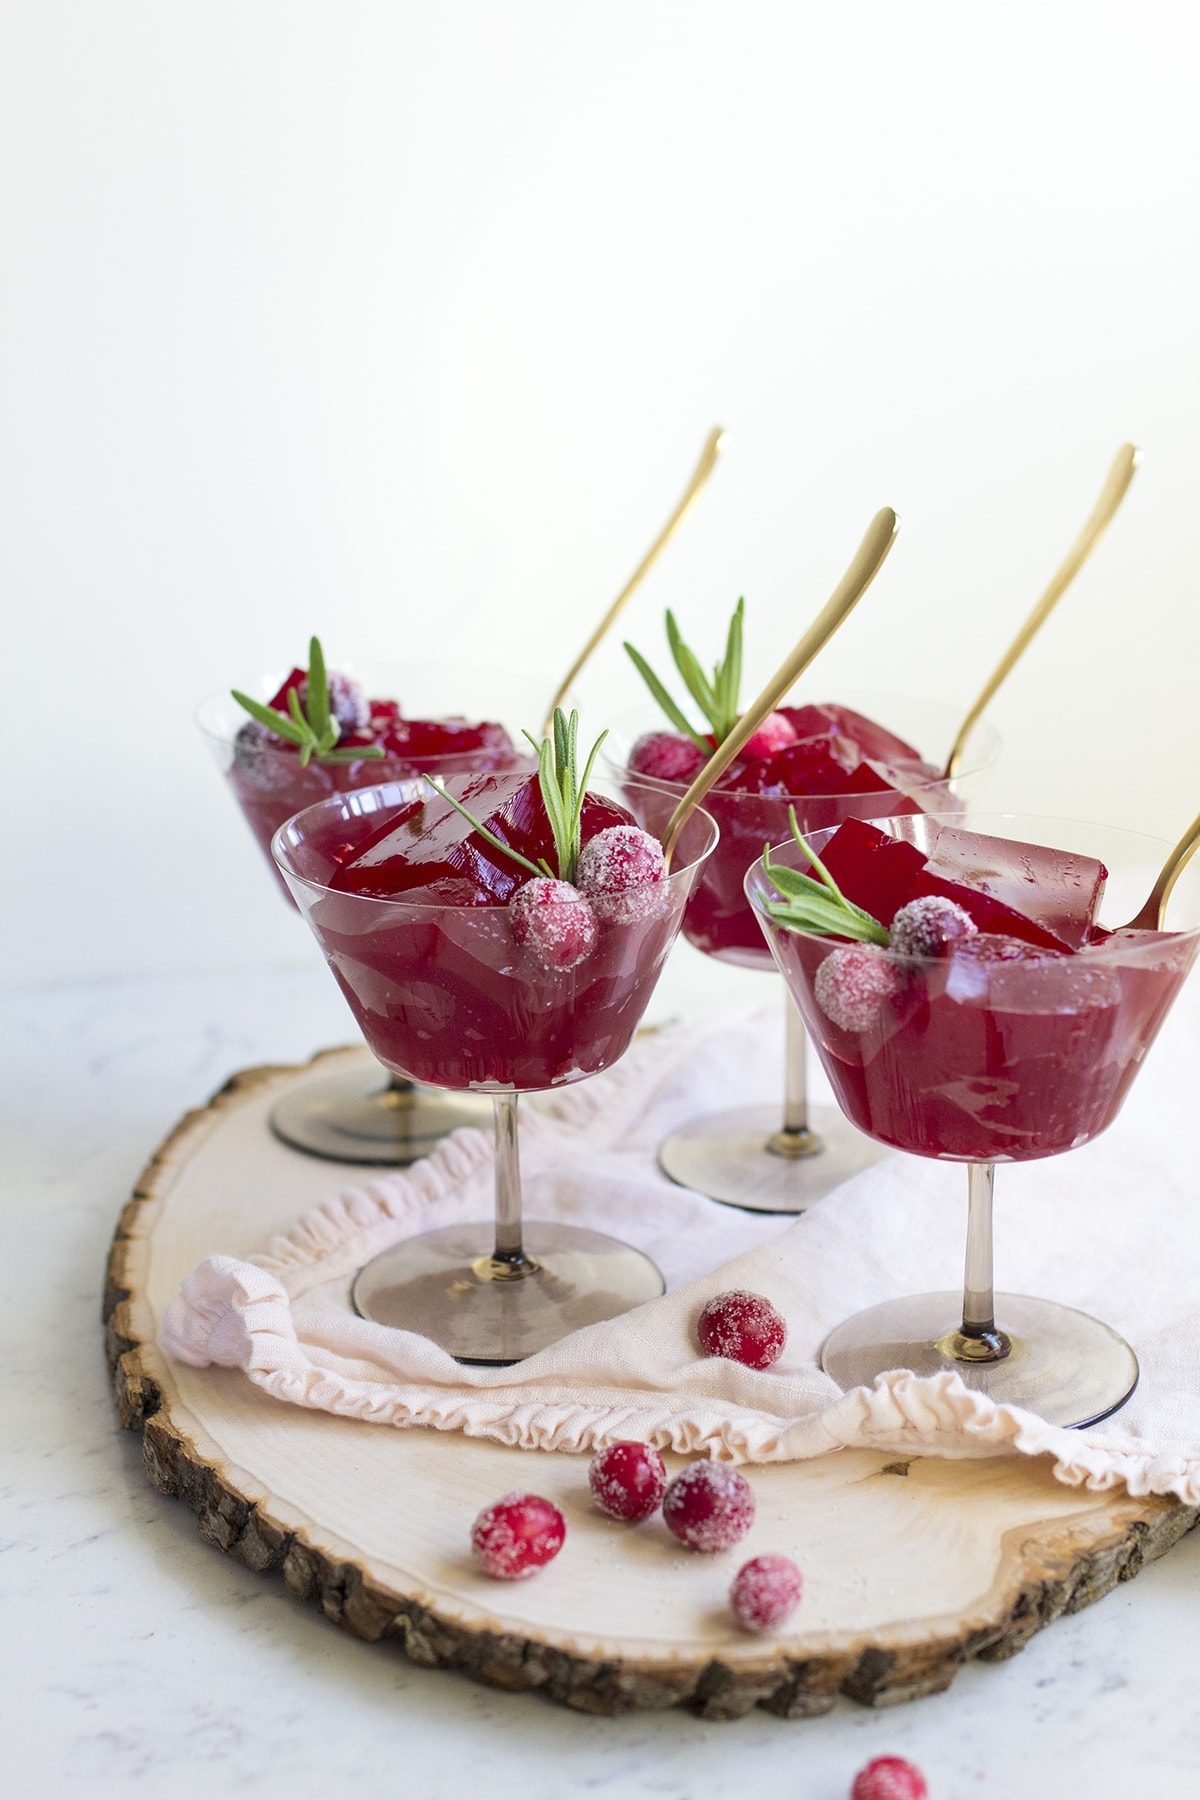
137 1657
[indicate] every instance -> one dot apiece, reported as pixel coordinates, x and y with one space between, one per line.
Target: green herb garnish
314 732
817 906
563 792
717 699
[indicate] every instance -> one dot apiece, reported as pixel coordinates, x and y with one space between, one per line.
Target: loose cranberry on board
889 1778
517 1535
628 1480
765 1592
709 1506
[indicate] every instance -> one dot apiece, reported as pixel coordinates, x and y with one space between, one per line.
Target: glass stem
979 1340
399 1088
794 1139
509 1260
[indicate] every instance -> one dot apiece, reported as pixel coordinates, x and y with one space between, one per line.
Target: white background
405 323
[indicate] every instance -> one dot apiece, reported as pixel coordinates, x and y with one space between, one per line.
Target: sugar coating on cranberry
774 734
554 921
709 1506
666 756
765 1592
348 700
889 1778
618 870
927 924
265 762
743 1327
517 1535
628 1480
854 984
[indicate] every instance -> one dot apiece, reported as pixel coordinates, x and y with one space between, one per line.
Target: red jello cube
882 874
417 739
1055 889
279 701
813 765
429 844
872 740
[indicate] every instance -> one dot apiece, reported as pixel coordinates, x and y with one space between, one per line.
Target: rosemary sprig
717 698
563 788
817 906
563 792
315 732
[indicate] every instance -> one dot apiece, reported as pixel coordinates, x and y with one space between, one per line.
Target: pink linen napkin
1109 1228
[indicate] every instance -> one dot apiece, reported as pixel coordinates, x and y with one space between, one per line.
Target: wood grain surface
911 1569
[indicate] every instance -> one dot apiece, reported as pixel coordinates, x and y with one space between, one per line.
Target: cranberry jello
826 760
451 918
965 1000
296 748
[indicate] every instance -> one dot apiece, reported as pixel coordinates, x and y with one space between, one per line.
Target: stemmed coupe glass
446 994
366 1115
1000 1056
781 1159
745 1158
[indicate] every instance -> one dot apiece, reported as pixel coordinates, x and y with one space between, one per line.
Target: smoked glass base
358 1116
448 1286
1064 1365
727 1155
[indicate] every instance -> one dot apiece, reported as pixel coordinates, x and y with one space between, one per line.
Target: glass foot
449 1287
356 1116
1064 1365
726 1156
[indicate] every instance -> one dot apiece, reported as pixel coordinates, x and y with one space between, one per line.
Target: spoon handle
1150 918
868 560
1115 488
700 474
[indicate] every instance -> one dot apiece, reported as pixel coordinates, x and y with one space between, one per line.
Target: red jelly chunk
1006 1043
839 765
1055 888
449 984
422 738
883 873
813 765
431 843
270 784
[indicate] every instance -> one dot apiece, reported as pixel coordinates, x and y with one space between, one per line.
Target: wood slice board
910 1568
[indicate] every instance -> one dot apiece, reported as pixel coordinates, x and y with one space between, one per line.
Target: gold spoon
1115 488
1152 913
700 474
868 560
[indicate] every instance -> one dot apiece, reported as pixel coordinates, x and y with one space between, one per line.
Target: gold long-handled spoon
1115 488
1153 911
868 560
700 474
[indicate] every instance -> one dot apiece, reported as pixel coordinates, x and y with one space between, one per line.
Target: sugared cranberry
889 1778
765 1592
347 700
775 733
927 924
665 756
554 921
709 1506
627 1480
854 984
264 762
517 1535
618 871
743 1327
